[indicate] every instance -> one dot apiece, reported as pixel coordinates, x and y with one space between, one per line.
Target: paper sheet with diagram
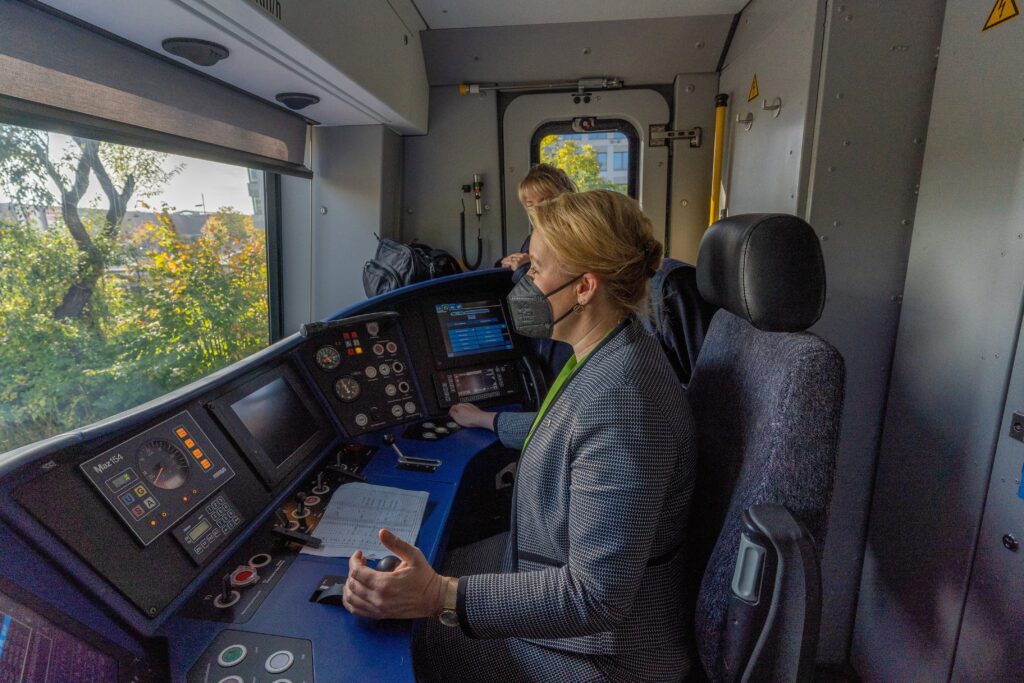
358 511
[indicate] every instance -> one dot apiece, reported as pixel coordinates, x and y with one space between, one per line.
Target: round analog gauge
328 358
163 464
347 389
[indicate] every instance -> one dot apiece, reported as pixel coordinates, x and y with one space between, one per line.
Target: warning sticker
752 95
1004 10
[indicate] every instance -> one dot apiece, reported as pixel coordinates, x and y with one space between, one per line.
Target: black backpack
397 265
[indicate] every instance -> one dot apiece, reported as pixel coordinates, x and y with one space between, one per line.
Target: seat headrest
766 268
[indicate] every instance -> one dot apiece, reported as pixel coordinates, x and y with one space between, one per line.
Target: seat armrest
775 603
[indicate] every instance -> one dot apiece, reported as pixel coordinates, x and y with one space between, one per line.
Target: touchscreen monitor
472 328
275 421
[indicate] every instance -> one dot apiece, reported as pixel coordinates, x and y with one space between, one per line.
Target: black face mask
531 310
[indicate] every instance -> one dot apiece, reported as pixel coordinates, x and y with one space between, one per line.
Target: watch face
449 617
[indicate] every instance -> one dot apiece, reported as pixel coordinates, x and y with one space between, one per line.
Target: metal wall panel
348 192
874 97
296 252
766 167
691 166
957 337
463 140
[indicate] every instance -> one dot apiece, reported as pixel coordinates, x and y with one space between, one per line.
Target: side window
604 159
124 274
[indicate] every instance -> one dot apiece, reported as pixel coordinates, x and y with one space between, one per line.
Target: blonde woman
542 182
587 584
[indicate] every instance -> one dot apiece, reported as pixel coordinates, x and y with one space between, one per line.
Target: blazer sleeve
620 473
512 428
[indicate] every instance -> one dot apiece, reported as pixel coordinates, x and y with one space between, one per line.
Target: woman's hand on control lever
468 415
411 591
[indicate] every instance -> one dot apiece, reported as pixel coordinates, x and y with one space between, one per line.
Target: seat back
767 398
679 315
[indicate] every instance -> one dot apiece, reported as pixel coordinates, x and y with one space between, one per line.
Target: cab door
640 109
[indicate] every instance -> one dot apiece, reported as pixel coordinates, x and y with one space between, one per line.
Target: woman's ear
587 287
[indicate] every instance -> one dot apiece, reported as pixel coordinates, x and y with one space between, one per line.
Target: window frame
610 125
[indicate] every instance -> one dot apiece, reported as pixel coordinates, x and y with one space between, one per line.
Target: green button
231 655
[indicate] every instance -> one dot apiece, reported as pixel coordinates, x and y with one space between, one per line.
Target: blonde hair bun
604 233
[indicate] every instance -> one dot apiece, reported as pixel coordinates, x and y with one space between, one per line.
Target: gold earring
577 307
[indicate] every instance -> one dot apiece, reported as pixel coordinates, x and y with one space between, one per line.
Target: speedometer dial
328 358
163 464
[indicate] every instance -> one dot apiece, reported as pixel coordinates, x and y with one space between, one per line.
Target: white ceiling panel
442 14
264 61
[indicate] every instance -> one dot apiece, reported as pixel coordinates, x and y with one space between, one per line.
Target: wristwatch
448 615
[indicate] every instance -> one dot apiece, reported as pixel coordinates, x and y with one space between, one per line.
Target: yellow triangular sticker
1003 10
752 95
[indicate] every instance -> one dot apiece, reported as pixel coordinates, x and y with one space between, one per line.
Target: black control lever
346 473
297 537
405 462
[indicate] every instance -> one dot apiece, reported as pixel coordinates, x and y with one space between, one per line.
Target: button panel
366 391
207 528
158 477
243 656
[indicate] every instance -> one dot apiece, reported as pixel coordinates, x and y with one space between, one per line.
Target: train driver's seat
767 397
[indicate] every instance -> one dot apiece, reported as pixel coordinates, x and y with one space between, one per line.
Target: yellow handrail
721 103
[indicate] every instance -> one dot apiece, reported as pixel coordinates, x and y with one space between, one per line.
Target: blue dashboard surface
346 647
58 576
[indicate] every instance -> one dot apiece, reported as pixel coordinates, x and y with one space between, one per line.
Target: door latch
1017 426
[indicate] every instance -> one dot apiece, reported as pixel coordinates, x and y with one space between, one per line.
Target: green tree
27 170
579 162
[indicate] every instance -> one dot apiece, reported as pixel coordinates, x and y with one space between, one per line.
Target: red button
244 575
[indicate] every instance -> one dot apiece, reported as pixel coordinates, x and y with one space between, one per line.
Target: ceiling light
195 50
296 100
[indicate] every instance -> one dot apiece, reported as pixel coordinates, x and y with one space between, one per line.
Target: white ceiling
441 14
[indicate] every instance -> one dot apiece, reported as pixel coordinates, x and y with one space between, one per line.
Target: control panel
156 478
207 528
361 366
476 383
241 657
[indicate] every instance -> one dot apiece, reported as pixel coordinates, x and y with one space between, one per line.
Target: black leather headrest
766 268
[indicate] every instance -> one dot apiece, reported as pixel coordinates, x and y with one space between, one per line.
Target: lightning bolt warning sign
1004 10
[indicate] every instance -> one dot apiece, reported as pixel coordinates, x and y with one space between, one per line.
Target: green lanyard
556 387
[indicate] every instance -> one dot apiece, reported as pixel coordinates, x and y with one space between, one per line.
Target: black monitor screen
33 649
473 327
277 419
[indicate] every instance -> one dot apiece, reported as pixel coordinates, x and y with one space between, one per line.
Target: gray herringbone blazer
601 500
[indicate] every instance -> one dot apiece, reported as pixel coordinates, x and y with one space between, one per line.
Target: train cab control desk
165 543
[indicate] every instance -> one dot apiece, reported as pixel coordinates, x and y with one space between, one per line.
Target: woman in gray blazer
587 584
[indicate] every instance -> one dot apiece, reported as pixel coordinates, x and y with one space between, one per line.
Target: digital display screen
199 530
277 419
34 649
120 481
475 382
473 327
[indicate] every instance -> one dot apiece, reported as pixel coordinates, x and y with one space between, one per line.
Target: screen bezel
436 335
271 474
71 626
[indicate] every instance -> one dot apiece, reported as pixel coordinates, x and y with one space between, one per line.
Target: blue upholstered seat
767 405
